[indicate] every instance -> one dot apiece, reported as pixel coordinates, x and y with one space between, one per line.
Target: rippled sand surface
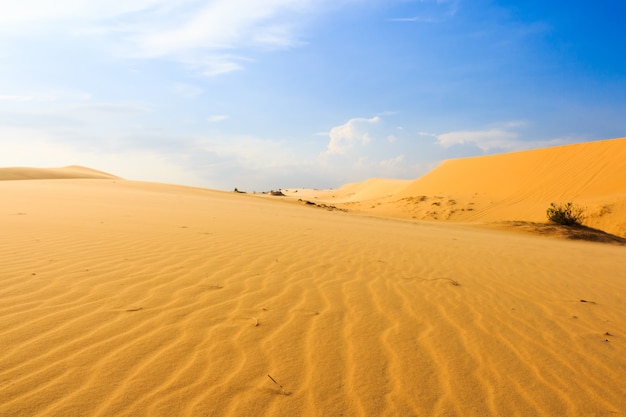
121 298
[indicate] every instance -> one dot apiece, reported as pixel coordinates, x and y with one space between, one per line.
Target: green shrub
566 214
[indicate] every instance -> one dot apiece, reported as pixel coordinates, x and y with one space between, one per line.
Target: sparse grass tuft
566 214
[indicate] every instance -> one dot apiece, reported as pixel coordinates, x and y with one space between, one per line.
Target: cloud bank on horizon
301 93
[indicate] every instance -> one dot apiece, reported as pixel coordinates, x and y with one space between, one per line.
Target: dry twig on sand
274 381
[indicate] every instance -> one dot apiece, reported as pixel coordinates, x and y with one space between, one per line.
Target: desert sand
125 298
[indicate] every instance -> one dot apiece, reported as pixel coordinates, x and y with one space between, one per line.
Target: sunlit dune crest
126 298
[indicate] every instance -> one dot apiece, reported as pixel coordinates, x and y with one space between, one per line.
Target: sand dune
76 172
122 298
371 189
514 186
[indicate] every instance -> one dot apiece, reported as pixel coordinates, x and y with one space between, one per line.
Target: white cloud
214 64
431 11
279 36
217 118
484 139
505 137
19 12
355 131
219 24
205 36
213 37
392 164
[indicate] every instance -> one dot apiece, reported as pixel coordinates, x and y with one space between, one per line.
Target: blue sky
272 94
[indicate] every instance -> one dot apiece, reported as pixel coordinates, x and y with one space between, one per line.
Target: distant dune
74 171
516 186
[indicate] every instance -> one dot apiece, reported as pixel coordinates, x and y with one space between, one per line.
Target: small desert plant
566 214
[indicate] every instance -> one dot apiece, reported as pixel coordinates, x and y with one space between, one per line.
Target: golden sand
123 298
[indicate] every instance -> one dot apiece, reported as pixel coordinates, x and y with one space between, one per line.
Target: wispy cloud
483 139
25 15
354 131
215 37
393 165
220 25
212 37
431 11
214 64
217 118
504 137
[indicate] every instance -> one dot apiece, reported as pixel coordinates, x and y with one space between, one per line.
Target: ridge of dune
516 186
123 298
68 172
583 170
370 189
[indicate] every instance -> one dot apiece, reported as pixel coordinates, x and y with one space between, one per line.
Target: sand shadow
575 232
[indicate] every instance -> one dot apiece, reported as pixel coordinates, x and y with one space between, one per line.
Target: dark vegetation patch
573 232
321 205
